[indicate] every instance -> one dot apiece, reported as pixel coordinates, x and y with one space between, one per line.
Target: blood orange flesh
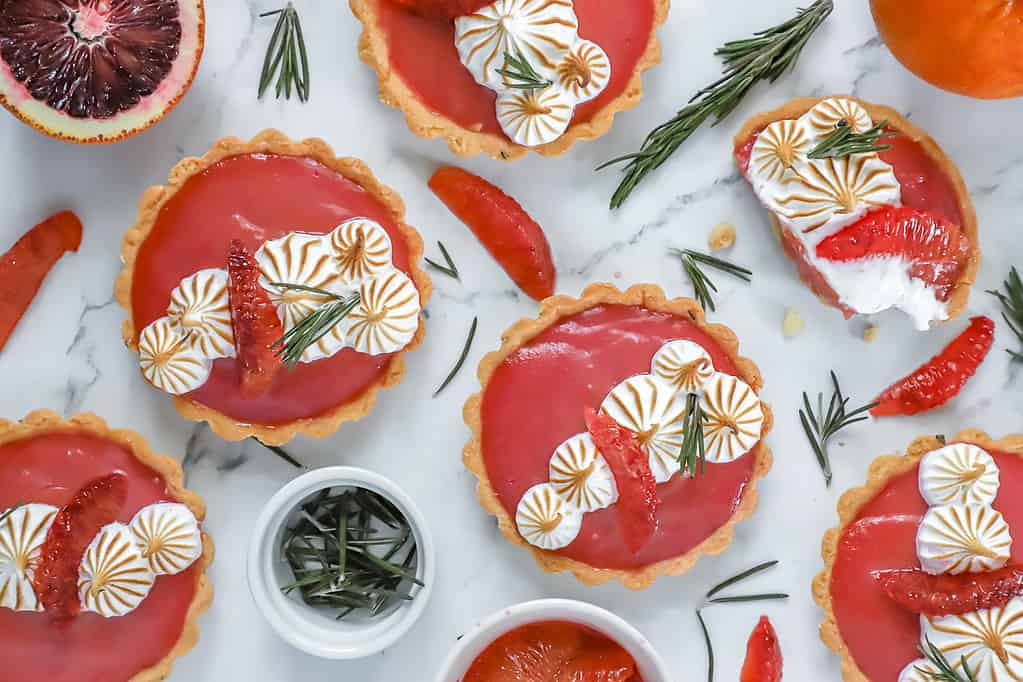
763 655
255 322
946 595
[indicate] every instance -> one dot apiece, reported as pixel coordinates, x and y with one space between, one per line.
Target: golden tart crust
795 108
552 311
881 471
464 142
274 142
41 422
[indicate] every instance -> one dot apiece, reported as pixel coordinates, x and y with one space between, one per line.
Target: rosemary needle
693 445
820 426
703 287
710 646
843 141
451 270
286 56
8 512
313 326
461 358
1012 302
520 74
282 453
764 57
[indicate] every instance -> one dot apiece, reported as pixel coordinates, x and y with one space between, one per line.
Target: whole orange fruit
972 47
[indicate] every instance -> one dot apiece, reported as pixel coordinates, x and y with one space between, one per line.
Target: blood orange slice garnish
97 70
935 248
24 267
763 655
55 582
603 662
514 239
941 379
255 321
443 9
637 488
949 595
531 653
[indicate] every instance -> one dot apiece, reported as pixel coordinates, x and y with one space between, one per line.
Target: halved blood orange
97 71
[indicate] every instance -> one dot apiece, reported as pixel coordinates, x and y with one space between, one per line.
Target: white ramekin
304 627
651 666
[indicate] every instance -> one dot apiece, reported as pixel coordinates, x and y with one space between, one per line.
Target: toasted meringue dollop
779 148
114 578
825 115
960 473
200 310
22 533
734 418
581 476
584 71
534 117
654 411
168 536
684 364
991 640
168 361
361 248
962 538
545 520
387 317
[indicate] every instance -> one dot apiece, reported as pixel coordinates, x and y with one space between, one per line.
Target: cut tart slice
924 552
99 542
336 262
512 75
636 358
892 227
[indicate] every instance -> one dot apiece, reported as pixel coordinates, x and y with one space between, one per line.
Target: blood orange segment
443 9
935 248
56 577
637 489
514 239
763 655
948 595
24 267
606 662
256 325
531 653
941 378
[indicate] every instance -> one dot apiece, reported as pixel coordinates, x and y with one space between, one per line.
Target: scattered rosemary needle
461 358
693 458
286 56
520 74
1012 302
842 141
351 549
820 426
703 288
282 453
313 326
451 270
945 672
764 57
712 599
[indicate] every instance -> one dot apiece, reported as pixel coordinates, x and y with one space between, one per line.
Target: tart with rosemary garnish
508 76
922 572
869 208
100 542
647 448
272 288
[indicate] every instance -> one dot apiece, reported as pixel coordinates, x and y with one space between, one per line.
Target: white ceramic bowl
307 628
651 666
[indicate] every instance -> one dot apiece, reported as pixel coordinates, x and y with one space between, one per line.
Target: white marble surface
67 354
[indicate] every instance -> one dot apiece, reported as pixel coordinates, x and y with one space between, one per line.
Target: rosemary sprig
461 358
286 56
520 74
945 672
703 288
712 598
693 446
282 453
820 426
1012 302
451 270
344 551
843 141
315 325
765 56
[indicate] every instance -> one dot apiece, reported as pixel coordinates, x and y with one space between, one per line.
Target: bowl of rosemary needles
341 563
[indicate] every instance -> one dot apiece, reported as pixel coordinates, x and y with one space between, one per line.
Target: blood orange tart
99 542
463 70
924 556
870 230
272 288
580 428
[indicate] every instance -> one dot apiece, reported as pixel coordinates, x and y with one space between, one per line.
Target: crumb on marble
721 237
870 333
793 324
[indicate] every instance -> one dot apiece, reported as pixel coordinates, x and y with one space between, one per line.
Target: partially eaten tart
100 543
268 251
578 431
448 71
924 555
870 230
